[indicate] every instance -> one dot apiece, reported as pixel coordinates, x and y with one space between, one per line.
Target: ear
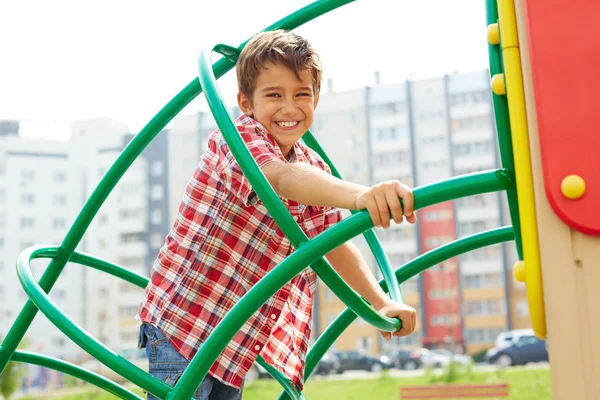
316 99
245 104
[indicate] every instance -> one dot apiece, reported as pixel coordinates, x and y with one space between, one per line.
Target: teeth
287 124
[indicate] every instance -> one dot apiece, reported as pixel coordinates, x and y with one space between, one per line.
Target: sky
62 61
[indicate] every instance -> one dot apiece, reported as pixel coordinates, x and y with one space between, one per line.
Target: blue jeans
167 365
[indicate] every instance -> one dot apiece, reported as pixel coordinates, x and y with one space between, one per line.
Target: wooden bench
494 390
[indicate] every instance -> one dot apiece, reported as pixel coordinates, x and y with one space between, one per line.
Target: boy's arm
354 270
310 185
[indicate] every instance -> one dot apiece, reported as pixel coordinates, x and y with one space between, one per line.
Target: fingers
374 212
408 200
382 199
409 322
382 208
394 205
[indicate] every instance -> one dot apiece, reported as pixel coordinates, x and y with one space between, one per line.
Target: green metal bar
503 127
287 385
309 252
271 200
76 371
410 269
123 162
381 258
108 267
76 333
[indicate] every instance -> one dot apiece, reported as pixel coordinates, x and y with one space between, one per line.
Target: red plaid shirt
222 242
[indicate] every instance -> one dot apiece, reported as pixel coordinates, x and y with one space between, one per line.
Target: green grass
525 384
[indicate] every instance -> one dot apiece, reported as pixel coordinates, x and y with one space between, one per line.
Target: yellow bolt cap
519 271
498 85
493 34
573 187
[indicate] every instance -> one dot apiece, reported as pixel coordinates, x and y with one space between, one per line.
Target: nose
289 107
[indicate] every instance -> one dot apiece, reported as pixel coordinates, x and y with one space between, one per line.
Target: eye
273 95
304 94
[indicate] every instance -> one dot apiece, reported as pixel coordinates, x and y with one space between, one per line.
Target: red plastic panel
565 61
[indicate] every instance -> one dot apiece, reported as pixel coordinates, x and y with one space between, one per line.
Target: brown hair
277 47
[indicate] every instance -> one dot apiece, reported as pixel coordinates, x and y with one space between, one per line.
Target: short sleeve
230 171
321 219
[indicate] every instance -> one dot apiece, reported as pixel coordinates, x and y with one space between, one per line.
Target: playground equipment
567 254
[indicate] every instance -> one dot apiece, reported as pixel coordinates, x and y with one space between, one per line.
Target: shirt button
257 347
273 316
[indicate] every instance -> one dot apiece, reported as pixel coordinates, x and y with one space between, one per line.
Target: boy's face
282 104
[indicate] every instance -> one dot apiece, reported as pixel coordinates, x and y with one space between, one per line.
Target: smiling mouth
287 124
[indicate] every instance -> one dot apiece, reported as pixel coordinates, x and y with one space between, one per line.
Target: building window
157 192
132 237
128 311
156 240
131 262
26 222
59 200
59 177
156 218
485 307
126 213
27 198
59 223
411 285
489 280
442 294
522 308
442 215
482 335
58 342
157 168
27 175
438 320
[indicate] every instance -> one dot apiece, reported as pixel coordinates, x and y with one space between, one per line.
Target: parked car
354 360
505 339
409 358
328 364
441 358
527 349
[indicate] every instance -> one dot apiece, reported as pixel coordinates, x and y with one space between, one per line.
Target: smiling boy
223 240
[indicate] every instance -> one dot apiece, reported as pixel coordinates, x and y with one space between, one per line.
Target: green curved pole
383 262
312 250
124 161
76 371
270 199
410 269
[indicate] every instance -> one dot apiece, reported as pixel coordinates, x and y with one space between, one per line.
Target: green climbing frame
308 253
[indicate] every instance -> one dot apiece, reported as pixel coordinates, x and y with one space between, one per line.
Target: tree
9 380
11 376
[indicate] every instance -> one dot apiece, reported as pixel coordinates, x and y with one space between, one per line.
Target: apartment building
421 132
43 186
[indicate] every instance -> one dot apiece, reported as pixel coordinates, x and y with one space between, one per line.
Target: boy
223 239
